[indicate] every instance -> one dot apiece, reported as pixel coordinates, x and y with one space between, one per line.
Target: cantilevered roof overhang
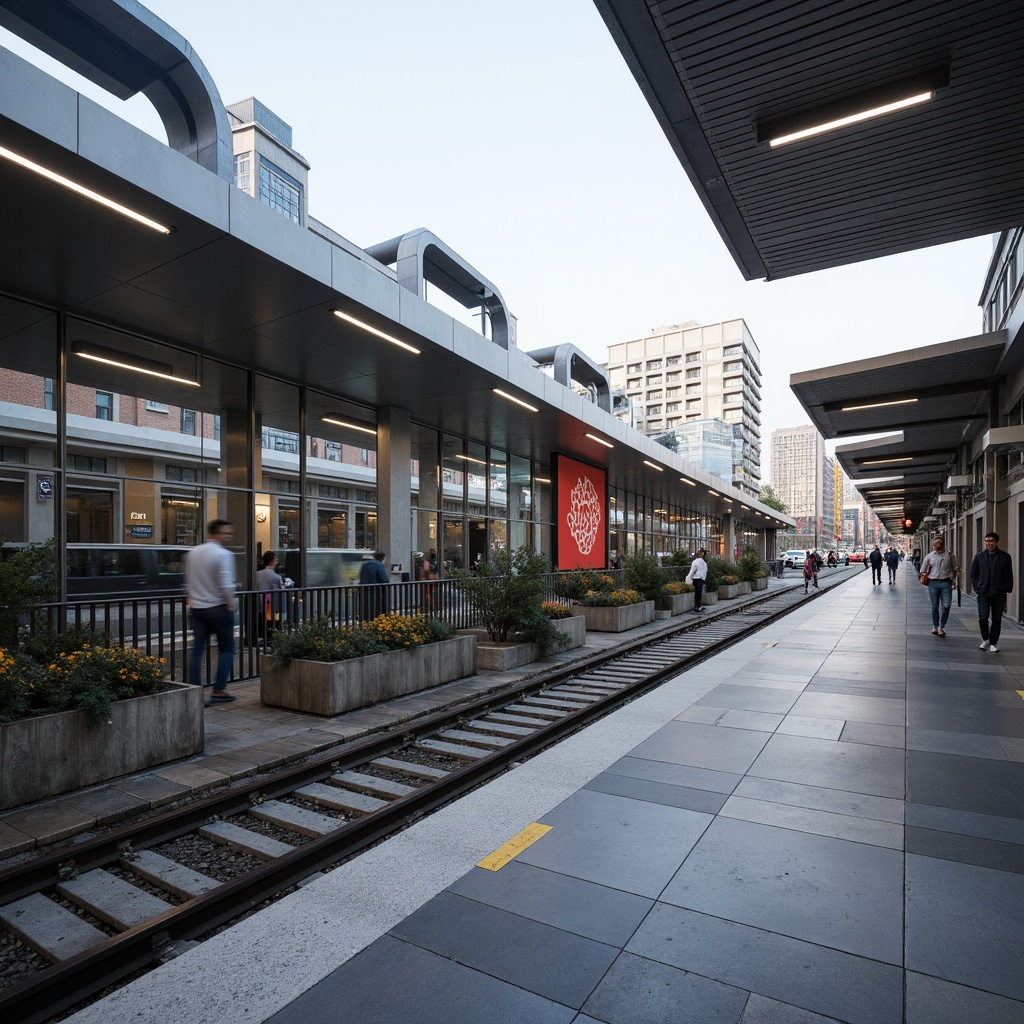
722 78
237 281
925 402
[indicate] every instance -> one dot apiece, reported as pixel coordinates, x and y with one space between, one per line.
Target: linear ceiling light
690 482
373 330
545 480
715 493
518 401
469 458
348 426
73 186
653 465
850 110
885 462
137 364
877 405
594 437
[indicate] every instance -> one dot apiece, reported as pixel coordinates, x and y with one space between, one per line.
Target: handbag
924 579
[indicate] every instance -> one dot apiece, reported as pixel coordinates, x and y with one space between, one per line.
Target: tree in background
772 500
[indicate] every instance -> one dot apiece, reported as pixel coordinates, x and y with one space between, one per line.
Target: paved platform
823 823
244 737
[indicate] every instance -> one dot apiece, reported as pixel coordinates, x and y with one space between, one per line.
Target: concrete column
394 487
729 536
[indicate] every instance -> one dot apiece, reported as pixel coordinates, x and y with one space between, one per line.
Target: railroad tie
500 728
298 819
112 899
340 799
169 874
372 786
475 739
241 839
417 771
459 750
48 928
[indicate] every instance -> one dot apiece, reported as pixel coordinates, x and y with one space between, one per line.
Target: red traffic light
907 524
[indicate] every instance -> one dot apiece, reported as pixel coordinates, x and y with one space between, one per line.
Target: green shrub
576 583
319 640
28 578
611 598
644 575
717 568
750 565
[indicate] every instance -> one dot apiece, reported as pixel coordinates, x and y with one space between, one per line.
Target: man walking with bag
992 579
939 572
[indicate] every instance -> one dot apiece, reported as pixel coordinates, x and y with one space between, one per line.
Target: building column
729 536
394 488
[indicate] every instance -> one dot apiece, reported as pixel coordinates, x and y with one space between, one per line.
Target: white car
795 559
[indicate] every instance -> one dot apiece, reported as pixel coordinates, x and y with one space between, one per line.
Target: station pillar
394 489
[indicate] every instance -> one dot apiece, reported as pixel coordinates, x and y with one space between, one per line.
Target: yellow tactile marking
1020 693
515 846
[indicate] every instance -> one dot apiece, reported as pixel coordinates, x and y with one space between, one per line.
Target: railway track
104 909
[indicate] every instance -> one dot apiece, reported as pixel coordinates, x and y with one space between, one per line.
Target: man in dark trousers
992 580
892 563
373 579
875 558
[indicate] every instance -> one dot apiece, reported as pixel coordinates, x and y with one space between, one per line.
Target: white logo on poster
584 515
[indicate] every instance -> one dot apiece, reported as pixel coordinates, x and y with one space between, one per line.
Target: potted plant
644 575
728 586
680 597
752 569
325 669
614 611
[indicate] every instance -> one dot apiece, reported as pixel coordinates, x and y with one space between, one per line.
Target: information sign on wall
581 515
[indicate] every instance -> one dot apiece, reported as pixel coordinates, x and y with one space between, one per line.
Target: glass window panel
475 461
497 488
453 475
278 442
424 469
519 488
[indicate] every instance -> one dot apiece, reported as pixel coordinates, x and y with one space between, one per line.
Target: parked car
860 555
795 559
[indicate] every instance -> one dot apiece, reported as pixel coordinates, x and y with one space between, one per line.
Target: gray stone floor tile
822 799
730 718
961 717
966 744
877 710
874 735
639 991
852 767
675 774
657 792
593 911
761 1010
853 989
556 964
630 845
985 853
393 981
980 689
983 950
811 887
749 698
820 823
966 783
966 823
703 746
934 1001
852 689
821 728
155 790
108 804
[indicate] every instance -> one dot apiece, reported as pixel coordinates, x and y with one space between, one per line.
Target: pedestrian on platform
697 576
373 580
892 563
269 586
992 580
875 558
210 590
939 572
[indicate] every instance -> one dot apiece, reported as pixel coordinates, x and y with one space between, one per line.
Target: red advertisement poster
581 515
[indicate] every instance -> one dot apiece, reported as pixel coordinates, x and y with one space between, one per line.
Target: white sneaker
983 646
992 649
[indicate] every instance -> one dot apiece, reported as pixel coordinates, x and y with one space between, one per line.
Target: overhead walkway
825 822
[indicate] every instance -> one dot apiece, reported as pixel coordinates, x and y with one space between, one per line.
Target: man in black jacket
992 580
875 560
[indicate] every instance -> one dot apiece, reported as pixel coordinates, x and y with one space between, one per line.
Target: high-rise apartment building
688 372
803 476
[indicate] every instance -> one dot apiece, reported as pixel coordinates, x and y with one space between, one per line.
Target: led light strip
518 401
73 186
348 426
373 330
842 122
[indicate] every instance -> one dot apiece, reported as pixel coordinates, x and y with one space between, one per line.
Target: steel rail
63 985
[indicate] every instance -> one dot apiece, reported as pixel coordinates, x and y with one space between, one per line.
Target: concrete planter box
761 583
332 687
50 754
708 597
498 657
744 586
678 603
727 591
618 620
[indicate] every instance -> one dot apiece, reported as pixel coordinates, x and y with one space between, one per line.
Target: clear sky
515 132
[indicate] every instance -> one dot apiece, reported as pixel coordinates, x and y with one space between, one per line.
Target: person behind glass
939 571
992 580
425 572
210 589
373 579
875 558
892 563
697 576
269 602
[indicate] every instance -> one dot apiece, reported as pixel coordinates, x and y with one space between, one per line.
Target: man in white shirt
697 575
210 586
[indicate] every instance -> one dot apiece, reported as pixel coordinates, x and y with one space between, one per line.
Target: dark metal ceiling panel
946 170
